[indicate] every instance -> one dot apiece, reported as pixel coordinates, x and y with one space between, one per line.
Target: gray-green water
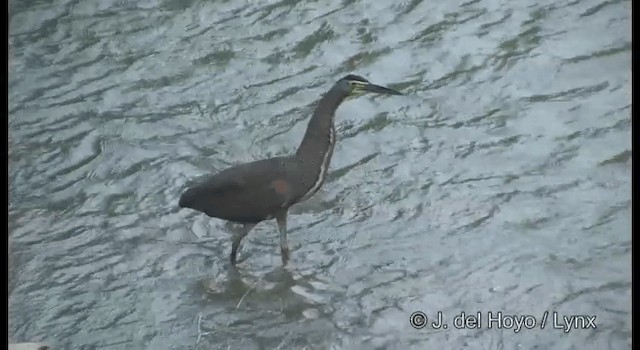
500 182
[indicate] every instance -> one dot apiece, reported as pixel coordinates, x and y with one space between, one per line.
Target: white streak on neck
323 167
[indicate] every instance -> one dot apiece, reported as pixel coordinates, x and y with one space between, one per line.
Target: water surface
500 182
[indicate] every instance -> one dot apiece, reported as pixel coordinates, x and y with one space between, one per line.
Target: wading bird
265 189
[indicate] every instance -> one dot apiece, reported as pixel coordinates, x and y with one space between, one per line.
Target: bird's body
246 193
253 192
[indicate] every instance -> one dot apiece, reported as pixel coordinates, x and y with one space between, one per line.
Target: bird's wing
241 177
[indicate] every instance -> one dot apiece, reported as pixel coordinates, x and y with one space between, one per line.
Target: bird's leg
237 237
281 217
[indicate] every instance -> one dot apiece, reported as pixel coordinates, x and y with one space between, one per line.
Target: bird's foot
285 254
233 258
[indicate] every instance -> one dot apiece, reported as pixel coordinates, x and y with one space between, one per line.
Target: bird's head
355 86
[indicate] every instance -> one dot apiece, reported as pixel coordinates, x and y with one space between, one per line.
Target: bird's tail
188 199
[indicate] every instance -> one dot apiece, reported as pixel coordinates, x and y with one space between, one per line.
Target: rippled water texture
500 182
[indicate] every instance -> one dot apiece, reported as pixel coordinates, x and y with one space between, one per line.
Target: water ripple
499 182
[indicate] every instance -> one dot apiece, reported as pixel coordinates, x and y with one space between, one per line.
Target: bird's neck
316 148
319 137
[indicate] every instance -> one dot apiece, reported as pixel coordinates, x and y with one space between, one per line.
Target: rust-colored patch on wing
281 186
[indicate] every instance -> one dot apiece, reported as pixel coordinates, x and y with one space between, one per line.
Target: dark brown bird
265 189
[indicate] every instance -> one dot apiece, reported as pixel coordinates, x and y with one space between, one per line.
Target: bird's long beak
379 89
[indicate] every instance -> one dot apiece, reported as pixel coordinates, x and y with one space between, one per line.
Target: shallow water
500 182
